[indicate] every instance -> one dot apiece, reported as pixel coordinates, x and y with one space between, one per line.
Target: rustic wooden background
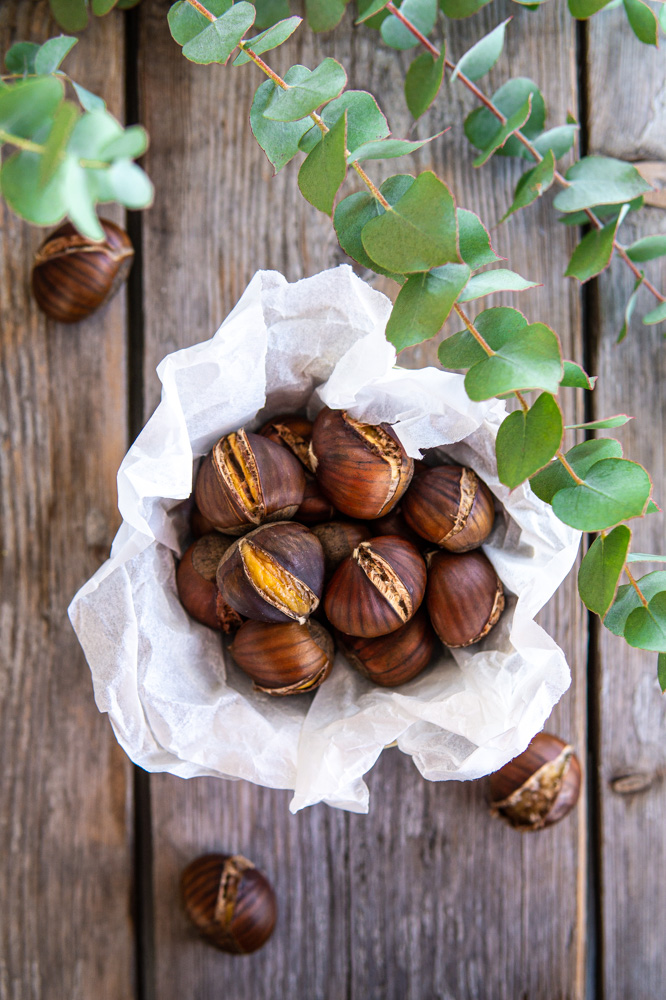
426 898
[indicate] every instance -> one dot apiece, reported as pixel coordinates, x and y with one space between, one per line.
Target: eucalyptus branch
472 329
634 584
561 457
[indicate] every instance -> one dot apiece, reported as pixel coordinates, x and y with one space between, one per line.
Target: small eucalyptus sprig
411 229
69 157
72 15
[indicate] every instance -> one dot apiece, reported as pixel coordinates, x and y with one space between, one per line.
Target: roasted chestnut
394 523
274 574
247 480
450 506
539 787
199 524
293 432
338 540
73 275
390 660
229 902
284 659
362 468
465 597
315 508
376 589
197 587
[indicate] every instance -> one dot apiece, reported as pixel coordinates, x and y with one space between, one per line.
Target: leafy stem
473 330
561 456
634 584
34 147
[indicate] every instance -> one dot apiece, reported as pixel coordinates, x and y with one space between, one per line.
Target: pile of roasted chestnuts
308 534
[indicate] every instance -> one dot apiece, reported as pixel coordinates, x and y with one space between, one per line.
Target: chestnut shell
394 659
292 431
338 540
284 659
450 506
197 586
465 597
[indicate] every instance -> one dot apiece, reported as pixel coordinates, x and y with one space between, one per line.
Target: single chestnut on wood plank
229 901
247 480
72 275
390 660
376 589
284 659
465 597
197 585
362 468
274 574
450 506
539 787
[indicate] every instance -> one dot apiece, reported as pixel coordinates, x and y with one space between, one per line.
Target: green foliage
72 15
422 82
657 315
496 325
483 129
365 121
647 248
613 490
661 671
421 13
483 54
599 180
498 280
474 240
325 167
353 212
627 600
424 303
629 308
576 377
581 458
207 41
533 184
582 9
302 97
593 253
323 15
601 569
269 39
529 359
280 141
643 21
526 441
514 123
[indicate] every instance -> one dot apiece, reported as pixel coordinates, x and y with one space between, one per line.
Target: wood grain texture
632 710
65 788
426 897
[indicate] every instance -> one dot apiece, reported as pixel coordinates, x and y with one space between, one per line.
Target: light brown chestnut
284 659
197 586
338 540
229 901
293 432
274 574
539 787
465 597
247 480
450 506
73 275
376 589
362 468
390 660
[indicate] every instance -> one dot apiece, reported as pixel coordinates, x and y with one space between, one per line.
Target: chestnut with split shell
394 659
291 431
197 586
338 540
465 597
450 506
247 480
273 574
284 659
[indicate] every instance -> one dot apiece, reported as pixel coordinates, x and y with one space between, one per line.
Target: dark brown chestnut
248 480
539 787
315 508
293 432
394 523
284 659
73 275
274 574
390 660
197 587
376 589
199 524
465 597
338 540
229 901
362 468
450 506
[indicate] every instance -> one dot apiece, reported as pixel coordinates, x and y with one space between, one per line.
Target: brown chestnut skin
247 480
377 589
197 587
315 508
338 540
72 275
284 659
394 659
450 506
465 597
394 523
274 574
199 524
362 468
292 431
229 901
539 787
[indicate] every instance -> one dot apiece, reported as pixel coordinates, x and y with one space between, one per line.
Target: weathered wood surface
632 375
65 785
427 896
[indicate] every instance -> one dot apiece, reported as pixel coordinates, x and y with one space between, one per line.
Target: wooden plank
426 896
630 122
65 785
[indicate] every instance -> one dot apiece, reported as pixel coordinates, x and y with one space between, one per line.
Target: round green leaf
647 248
269 39
421 13
22 189
72 15
324 168
318 87
483 54
527 441
581 458
353 212
646 627
531 359
21 58
599 180
601 568
627 600
279 140
643 21
482 127
28 105
52 53
423 304
613 490
497 280
474 240
422 82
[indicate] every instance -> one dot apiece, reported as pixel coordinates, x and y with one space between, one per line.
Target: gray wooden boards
65 785
631 709
427 896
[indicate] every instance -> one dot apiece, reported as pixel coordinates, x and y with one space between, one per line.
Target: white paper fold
176 701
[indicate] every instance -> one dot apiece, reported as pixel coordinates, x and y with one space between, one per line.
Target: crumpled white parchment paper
177 702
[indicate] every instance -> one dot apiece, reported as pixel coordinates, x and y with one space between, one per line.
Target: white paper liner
176 702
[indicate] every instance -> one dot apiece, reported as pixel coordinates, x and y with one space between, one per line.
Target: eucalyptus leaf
482 127
52 53
64 120
80 194
613 490
325 167
593 254
423 80
43 205
629 308
483 54
558 140
279 140
643 21
576 377
597 425
185 23
126 183
88 100
375 7
496 325
582 9
21 58
29 105
72 15
581 458
461 8
387 149
132 143
269 12
421 13
647 248
655 316
423 304
661 659
645 628
474 240
216 42
353 212
324 15
532 184
101 7
365 121
627 600
597 180
318 87
269 39
497 280
644 557
513 123
527 441
601 568
530 359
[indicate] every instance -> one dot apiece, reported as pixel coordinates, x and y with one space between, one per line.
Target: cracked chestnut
229 901
362 468
274 574
390 660
539 787
247 480
293 432
465 597
73 275
377 589
284 659
197 587
450 506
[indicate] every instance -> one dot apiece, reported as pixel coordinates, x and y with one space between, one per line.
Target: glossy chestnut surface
338 540
197 586
315 507
394 659
284 659
292 431
465 597
450 506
